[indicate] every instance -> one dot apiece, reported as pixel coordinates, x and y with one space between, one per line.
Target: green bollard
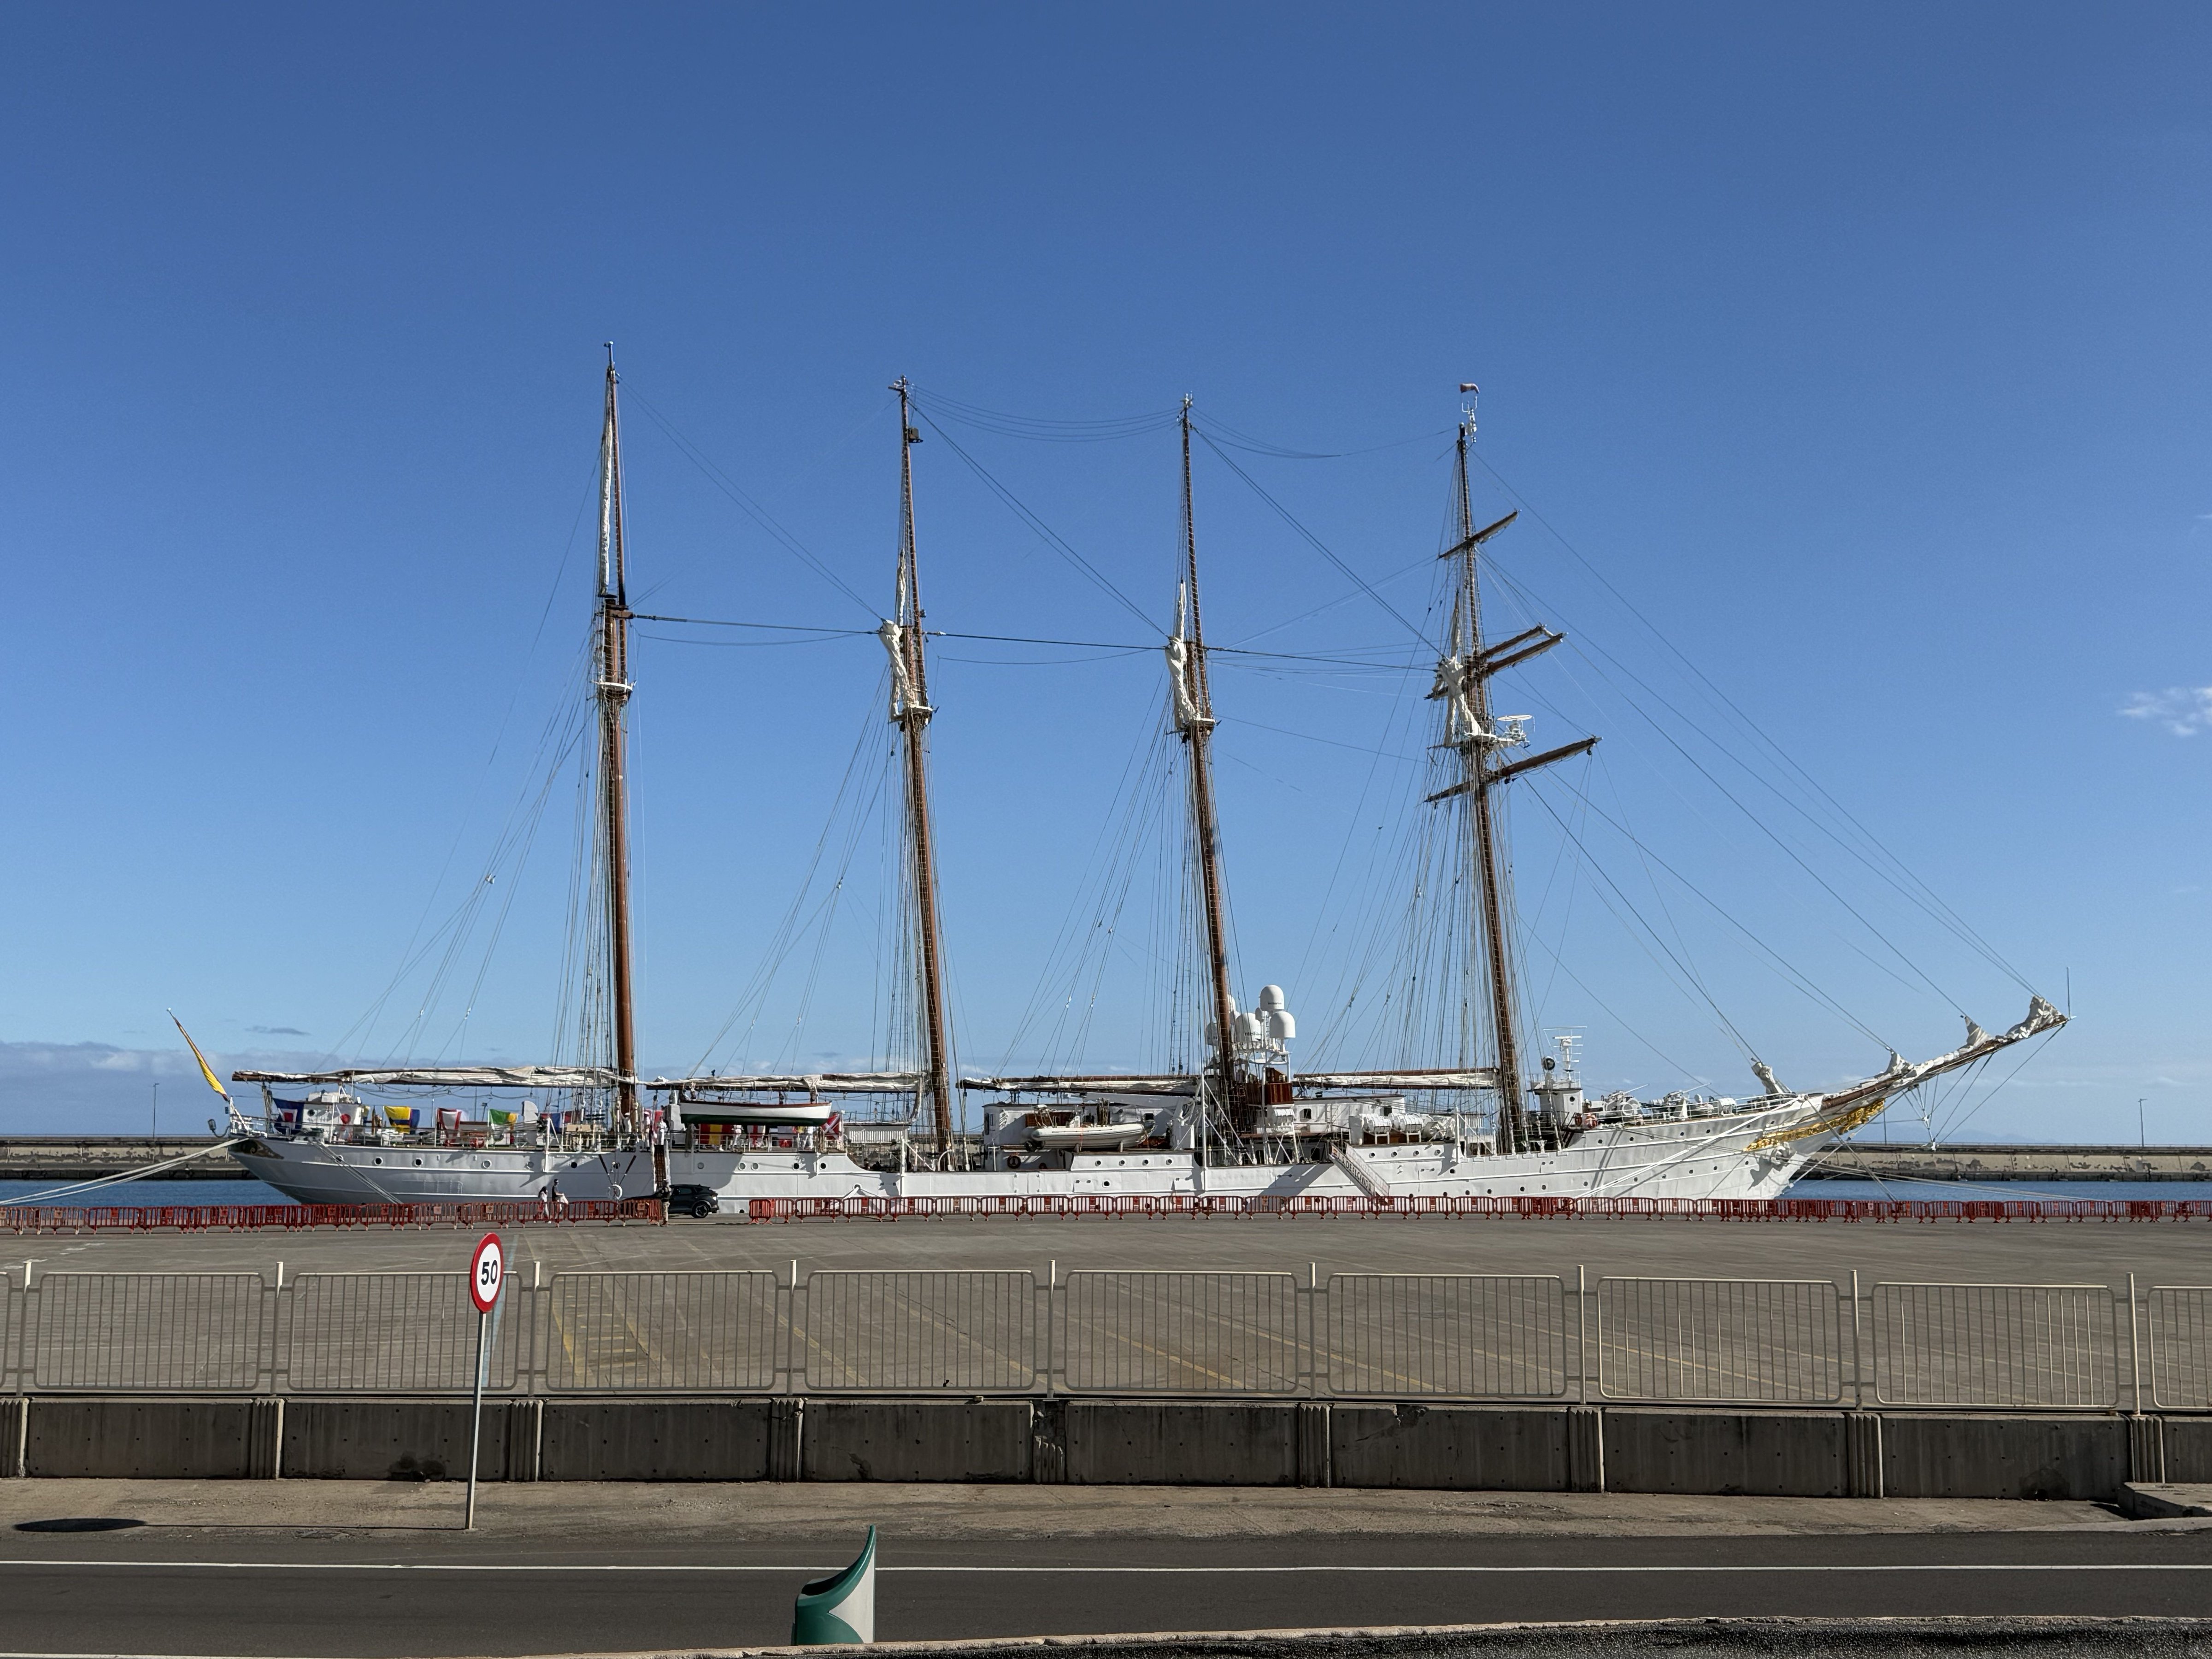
841 1608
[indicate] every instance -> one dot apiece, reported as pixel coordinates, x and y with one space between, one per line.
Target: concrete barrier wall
2188 1443
1747 1454
1961 1456
1117 1442
140 1439
392 1439
1456 1448
655 1440
917 1440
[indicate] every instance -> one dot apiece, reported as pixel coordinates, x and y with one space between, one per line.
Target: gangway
1364 1175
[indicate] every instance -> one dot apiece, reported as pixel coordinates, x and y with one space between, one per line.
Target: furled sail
811 1083
450 1076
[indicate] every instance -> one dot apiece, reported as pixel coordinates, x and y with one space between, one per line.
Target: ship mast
1194 717
1462 677
910 711
613 691
1475 760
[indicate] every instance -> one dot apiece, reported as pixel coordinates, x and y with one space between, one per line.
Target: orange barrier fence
1618 1209
247 1218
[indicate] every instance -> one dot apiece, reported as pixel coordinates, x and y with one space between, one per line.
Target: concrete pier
87 1158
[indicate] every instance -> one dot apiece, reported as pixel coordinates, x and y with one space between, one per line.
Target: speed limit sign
487 1271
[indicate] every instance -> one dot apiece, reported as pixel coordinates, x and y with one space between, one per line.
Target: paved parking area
2095 1252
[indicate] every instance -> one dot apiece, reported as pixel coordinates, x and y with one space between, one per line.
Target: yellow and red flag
206 1070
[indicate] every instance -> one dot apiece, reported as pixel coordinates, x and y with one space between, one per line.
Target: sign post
486 1275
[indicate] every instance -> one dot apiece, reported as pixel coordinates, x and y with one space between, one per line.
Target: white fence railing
1198 1333
1761 1342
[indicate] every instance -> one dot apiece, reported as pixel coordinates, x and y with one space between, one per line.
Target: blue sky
1861 356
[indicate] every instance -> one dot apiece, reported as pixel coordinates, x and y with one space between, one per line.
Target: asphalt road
253 1591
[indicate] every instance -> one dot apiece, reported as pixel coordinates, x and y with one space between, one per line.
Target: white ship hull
1696 1157
318 1172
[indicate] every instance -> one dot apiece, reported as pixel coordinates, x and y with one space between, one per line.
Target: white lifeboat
1087 1137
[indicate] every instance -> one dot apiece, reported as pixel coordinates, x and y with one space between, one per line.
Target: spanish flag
206 1070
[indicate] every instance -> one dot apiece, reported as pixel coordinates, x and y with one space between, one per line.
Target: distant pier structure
87 1158
1880 1161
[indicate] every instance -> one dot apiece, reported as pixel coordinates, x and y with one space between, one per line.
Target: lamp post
157 1109
2141 1133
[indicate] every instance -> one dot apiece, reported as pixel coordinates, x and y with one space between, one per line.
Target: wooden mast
1194 707
910 712
1475 750
614 690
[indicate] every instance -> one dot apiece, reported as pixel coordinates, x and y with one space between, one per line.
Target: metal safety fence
2051 1346
1200 1333
1763 1341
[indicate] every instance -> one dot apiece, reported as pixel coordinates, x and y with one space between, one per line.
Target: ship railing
1200 1333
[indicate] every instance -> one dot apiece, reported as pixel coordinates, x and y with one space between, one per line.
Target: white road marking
726 1567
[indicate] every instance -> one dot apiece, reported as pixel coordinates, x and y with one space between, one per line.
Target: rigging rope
745 504
1315 541
785 937
1246 442
1042 531
1789 972
1757 823
1042 430
1900 875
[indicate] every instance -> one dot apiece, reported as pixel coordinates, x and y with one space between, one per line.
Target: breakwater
89 1158
1875 1161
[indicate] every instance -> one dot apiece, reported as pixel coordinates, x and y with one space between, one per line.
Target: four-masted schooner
1244 1122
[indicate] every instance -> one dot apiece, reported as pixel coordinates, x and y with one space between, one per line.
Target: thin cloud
2183 710
276 1031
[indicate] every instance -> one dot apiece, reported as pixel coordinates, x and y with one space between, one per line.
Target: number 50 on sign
487 1271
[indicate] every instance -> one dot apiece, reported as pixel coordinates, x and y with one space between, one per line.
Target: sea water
139 1193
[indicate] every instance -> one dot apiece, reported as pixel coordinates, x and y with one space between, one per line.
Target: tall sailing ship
1244 1122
